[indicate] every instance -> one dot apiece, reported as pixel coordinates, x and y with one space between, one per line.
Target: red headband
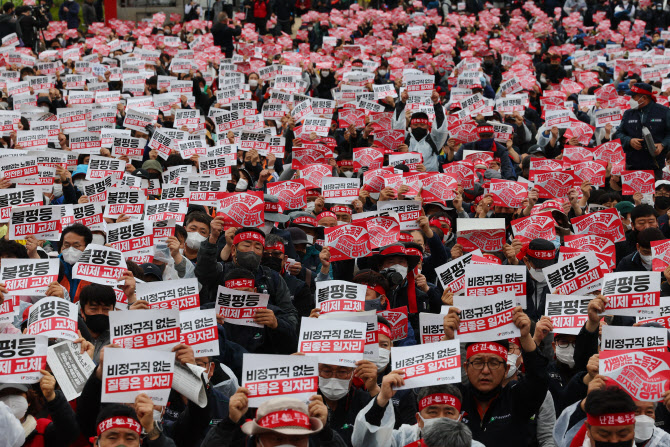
488 347
404 237
485 129
383 329
394 250
248 236
312 192
325 214
493 258
285 418
305 220
641 91
419 121
271 207
346 163
239 283
515 340
542 254
440 399
276 246
611 420
119 422
414 252
341 209
377 288
438 221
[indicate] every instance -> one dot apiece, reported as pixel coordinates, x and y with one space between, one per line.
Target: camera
393 277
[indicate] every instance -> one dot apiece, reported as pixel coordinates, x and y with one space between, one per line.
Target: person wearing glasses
501 416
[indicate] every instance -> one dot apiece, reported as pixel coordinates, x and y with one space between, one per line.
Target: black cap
152 270
542 253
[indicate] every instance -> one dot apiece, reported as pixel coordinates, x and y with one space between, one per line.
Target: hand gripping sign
568 313
430 364
129 372
53 317
635 294
239 307
29 276
334 342
487 317
340 296
142 329
101 265
269 376
22 357
643 375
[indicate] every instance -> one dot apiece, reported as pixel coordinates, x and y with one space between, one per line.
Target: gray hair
439 389
272 239
445 432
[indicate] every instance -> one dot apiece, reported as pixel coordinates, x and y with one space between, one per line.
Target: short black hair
180 231
7 7
642 210
197 216
97 294
78 229
239 273
648 235
608 401
12 249
114 410
607 197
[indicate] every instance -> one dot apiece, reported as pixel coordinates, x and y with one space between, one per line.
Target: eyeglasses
339 373
493 364
564 343
514 350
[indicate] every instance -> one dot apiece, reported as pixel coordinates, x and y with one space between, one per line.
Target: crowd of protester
459 90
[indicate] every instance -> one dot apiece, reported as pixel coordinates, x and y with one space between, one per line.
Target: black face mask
613 444
248 260
98 323
488 64
662 203
230 187
419 133
272 262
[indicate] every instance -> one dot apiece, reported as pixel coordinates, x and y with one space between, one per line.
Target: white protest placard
199 331
15 197
568 313
432 327
179 294
29 276
430 364
43 222
89 215
70 367
608 116
557 118
239 307
22 357
134 239
9 308
486 280
53 317
486 318
340 189
340 296
97 191
100 264
126 201
576 276
643 375
101 167
654 339
268 376
19 168
142 329
129 372
157 210
335 342
635 294
369 317
408 211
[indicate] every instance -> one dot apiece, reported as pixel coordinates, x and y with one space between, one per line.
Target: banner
141 329
568 313
486 318
643 375
130 372
239 307
430 364
22 357
635 294
335 342
269 376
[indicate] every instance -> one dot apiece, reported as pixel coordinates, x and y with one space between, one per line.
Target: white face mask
58 190
427 422
339 222
400 269
566 355
334 389
310 238
253 82
99 239
646 261
383 360
633 104
241 185
18 405
537 275
644 428
310 207
267 227
79 182
194 239
44 109
382 72
325 73
71 255
511 361
348 174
